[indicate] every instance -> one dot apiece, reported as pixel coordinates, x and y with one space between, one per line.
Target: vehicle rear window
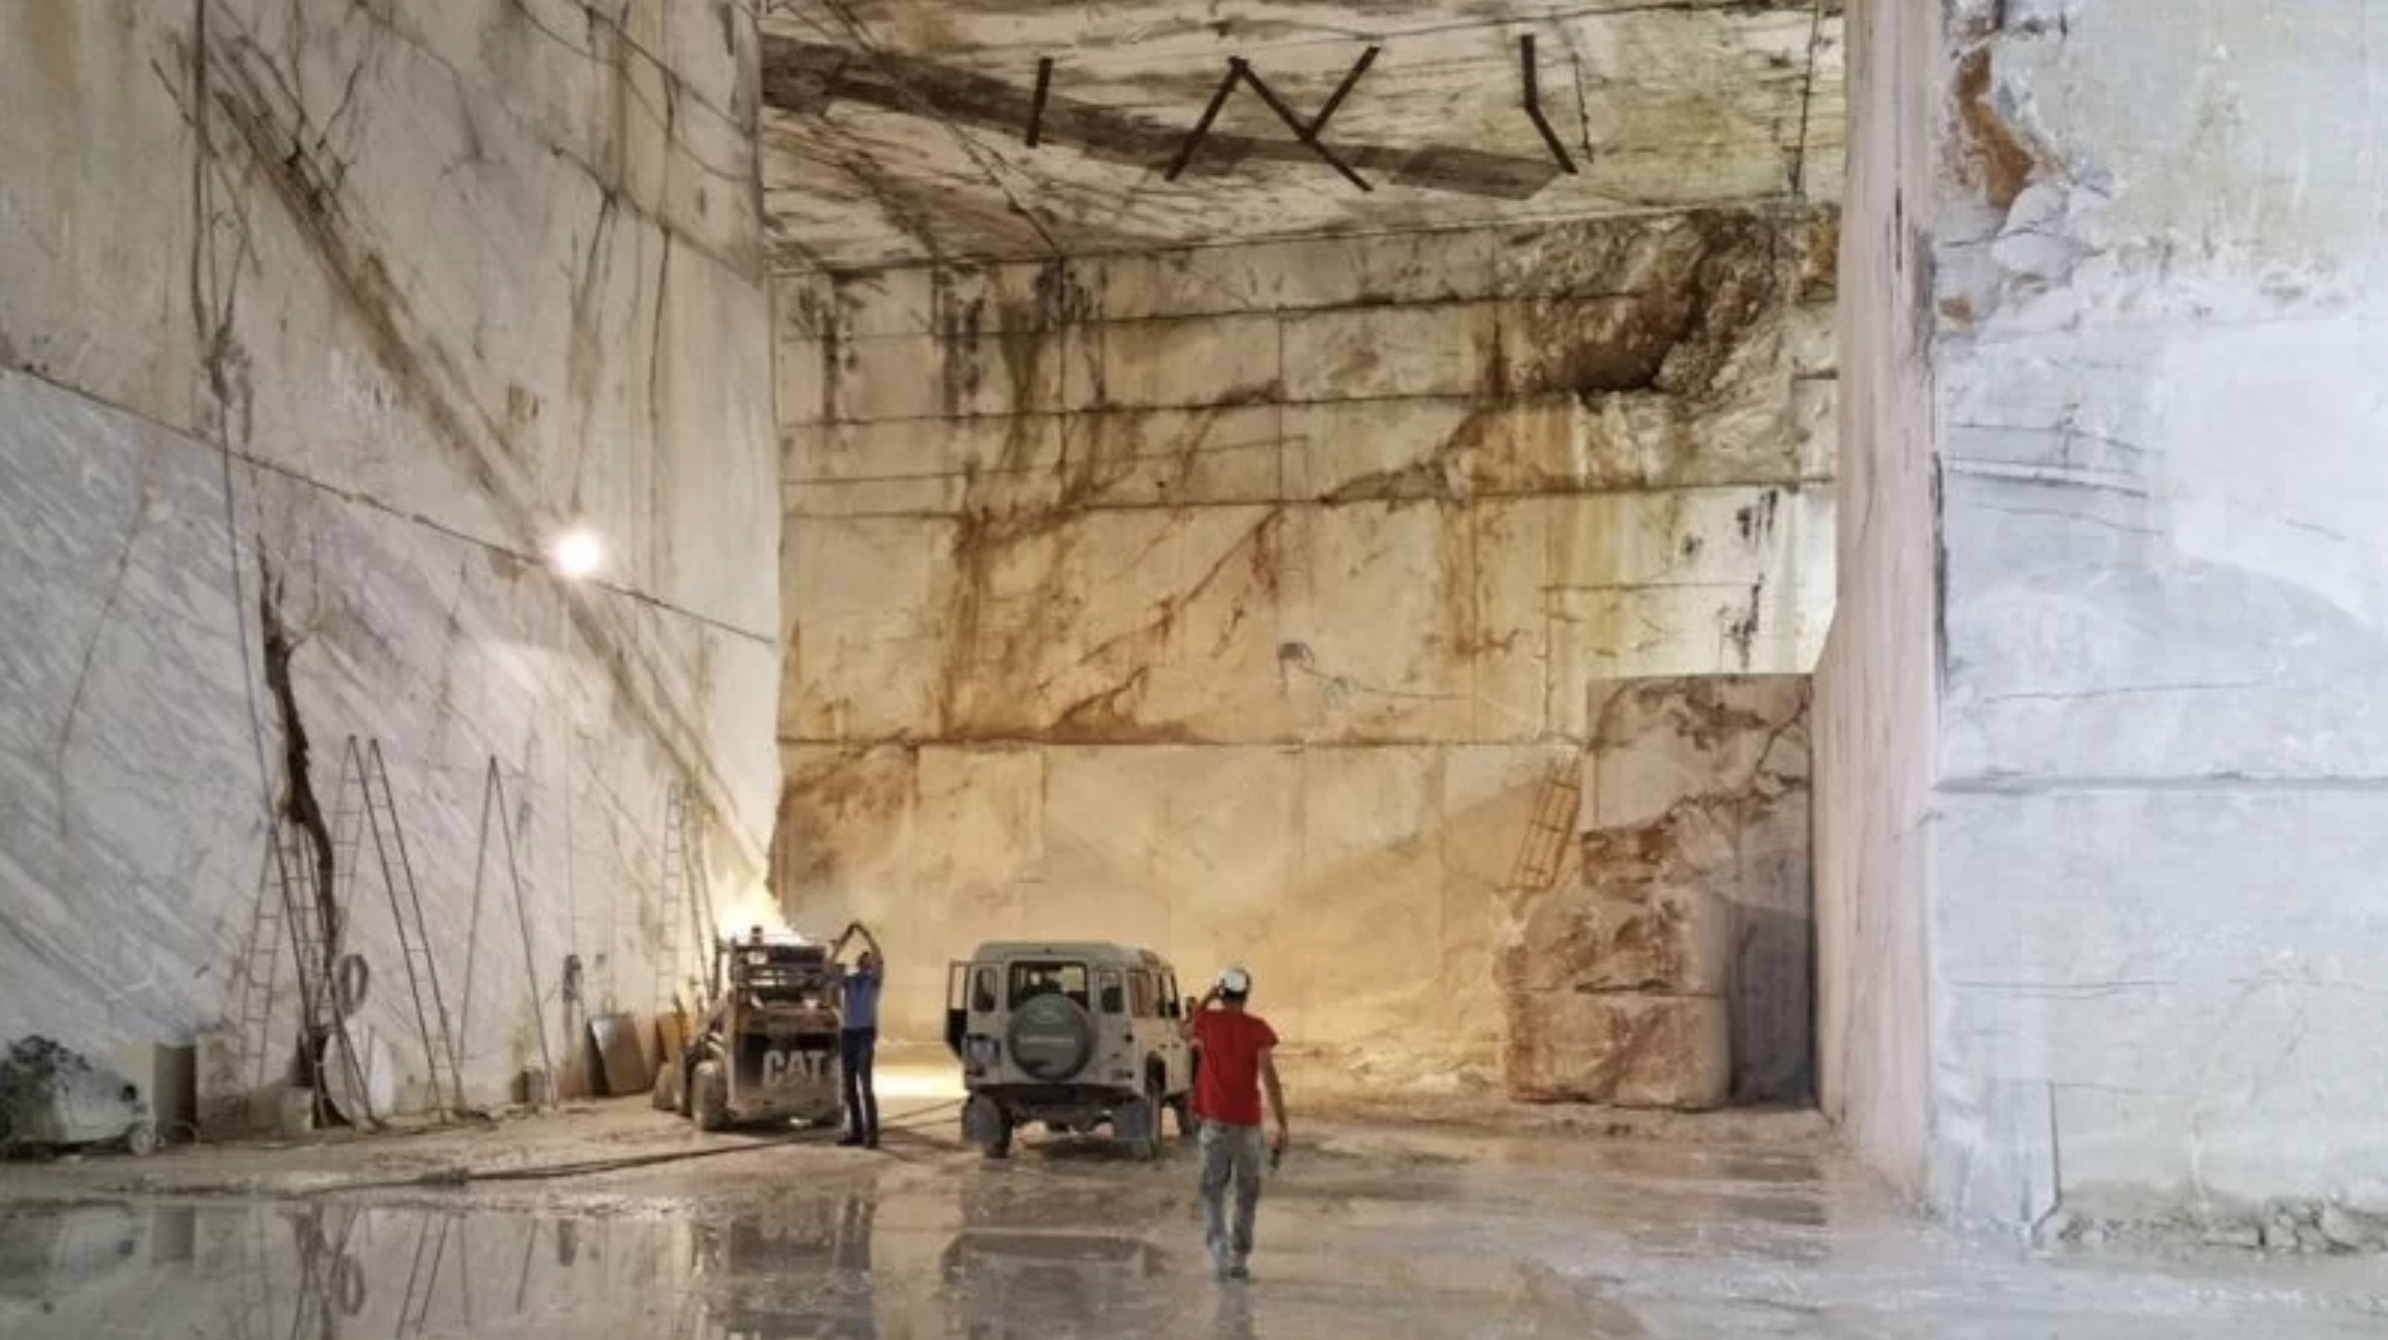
1032 978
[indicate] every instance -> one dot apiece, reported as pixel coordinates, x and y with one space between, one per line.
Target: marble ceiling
901 130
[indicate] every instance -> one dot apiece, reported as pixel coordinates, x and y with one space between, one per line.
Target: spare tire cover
1050 1037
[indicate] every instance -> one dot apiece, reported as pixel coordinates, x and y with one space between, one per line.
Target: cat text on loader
767 1050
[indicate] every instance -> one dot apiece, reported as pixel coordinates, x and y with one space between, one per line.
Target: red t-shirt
1227 1082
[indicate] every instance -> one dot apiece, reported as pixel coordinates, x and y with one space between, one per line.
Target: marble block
1637 938
1629 1050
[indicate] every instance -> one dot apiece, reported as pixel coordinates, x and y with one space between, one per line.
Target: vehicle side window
1114 999
1140 994
982 990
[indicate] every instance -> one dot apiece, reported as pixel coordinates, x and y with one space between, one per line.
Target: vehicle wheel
711 1097
1144 1144
987 1125
141 1140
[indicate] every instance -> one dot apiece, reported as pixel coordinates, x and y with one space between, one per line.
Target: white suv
1074 1035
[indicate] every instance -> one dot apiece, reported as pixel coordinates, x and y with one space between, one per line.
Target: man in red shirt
1236 1059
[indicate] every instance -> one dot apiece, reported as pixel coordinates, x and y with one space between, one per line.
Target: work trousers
857 1048
1230 1158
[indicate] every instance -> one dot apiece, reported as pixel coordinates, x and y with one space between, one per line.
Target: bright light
577 552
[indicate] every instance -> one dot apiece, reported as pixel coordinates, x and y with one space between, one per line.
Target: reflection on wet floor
1364 1241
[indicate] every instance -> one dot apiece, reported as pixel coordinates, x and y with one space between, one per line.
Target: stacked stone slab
1675 972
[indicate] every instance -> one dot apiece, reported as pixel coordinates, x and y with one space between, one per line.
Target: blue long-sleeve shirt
859 996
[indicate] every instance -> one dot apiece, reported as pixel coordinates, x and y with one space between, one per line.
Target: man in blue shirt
858 1034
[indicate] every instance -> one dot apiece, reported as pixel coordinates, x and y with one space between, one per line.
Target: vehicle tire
1051 1038
1145 1145
986 1125
712 1097
141 1140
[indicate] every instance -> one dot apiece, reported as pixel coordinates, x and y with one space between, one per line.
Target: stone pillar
2104 778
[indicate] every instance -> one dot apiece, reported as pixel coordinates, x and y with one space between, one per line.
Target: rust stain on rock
822 807
1991 157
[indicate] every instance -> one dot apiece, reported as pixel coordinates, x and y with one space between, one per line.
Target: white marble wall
1877 684
1238 599
2157 299
378 302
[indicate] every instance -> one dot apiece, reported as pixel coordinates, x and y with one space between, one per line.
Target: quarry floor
1454 1220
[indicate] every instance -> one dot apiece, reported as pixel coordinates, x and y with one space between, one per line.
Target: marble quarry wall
1877 684
1243 600
2136 251
317 323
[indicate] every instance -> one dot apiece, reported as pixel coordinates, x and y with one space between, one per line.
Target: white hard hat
1235 979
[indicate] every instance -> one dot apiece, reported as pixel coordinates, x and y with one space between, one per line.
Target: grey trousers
1230 1154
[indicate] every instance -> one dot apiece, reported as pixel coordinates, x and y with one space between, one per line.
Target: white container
294 1111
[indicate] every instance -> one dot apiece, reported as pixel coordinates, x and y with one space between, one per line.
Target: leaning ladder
1544 850
261 962
319 1012
670 897
379 815
683 883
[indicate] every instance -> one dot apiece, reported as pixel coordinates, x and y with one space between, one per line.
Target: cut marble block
1701 785
1630 1050
1636 938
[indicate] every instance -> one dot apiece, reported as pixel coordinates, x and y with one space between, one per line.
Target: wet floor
1368 1231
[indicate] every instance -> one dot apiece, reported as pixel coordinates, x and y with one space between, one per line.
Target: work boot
849 1140
871 1141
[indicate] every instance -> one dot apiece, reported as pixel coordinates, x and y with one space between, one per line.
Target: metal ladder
261 962
670 897
1544 849
378 816
683 883
319 1012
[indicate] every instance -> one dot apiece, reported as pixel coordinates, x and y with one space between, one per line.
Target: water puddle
1034 1253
